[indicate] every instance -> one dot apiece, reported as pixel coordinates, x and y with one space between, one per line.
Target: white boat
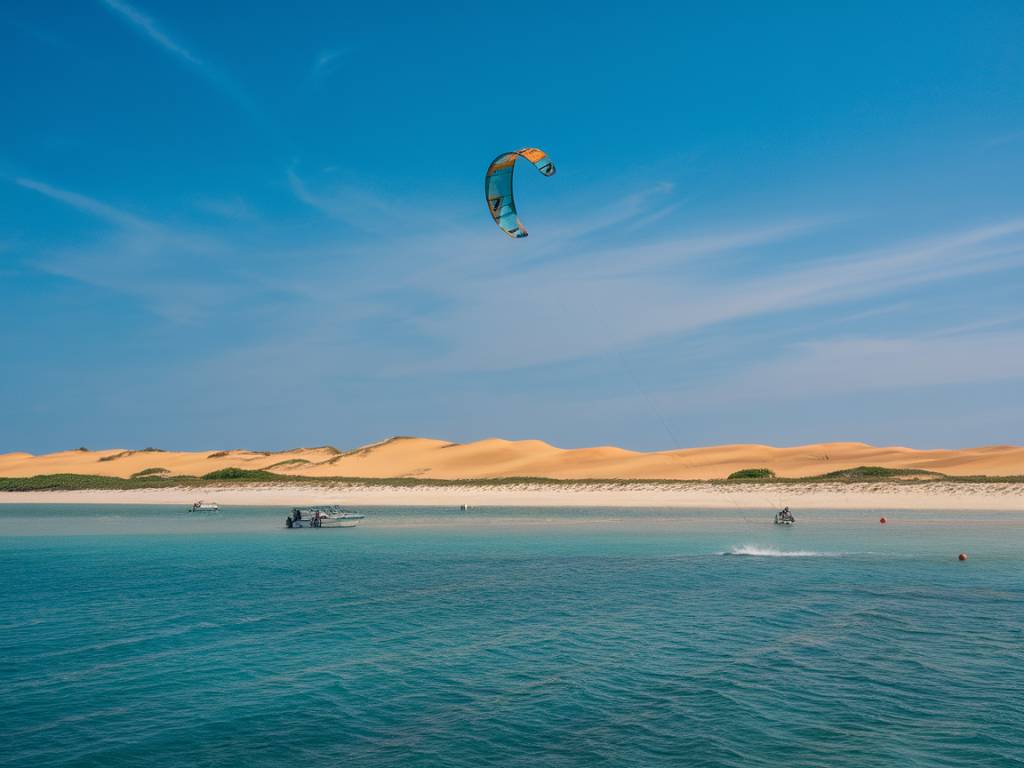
204 506
329 516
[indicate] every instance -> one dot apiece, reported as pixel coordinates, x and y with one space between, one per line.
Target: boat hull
339 523
350 522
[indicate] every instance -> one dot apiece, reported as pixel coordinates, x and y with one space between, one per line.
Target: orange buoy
882 520
962 557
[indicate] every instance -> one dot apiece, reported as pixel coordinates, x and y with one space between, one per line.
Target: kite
498 187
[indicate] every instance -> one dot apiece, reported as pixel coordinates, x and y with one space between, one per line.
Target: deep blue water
148 636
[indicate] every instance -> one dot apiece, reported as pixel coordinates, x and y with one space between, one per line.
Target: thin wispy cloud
862 387
627 208
550 313
84 203
1004 139
674 250
367 210
461 289
981 324
325 62
324 66
180 274
572 301
149 27
227 208
848 365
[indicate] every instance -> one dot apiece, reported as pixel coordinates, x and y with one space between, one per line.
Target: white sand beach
885 495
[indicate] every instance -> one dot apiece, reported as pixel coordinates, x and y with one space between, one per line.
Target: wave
752 550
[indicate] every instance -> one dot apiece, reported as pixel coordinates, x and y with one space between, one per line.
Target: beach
928 495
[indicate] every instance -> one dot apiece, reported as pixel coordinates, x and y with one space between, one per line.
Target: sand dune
495 458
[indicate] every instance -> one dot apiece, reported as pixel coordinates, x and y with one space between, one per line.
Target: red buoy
962 557
883 521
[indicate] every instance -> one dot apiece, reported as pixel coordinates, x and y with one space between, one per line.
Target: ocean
149 636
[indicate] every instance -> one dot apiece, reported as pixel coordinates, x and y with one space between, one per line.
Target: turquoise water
149 636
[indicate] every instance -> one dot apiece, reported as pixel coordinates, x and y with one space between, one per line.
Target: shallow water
143 635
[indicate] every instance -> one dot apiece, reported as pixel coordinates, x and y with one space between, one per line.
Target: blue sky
232 224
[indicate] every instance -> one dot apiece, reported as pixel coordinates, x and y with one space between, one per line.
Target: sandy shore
933 495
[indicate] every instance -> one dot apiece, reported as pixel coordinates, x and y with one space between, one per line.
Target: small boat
204 506
329 516
785 517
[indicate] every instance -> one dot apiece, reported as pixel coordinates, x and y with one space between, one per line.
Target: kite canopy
498 187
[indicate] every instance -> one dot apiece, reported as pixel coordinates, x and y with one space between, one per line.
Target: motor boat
329 516
785 517
204 506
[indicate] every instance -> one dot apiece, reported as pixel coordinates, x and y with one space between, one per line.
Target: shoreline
935 495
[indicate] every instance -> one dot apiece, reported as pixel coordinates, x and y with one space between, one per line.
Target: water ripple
498 646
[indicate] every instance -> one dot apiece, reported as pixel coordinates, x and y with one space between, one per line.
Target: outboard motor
288 522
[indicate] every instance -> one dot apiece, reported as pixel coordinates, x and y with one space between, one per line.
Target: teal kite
498 187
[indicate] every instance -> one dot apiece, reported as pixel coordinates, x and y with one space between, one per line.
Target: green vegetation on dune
878 473
752 474
123 454
113 456
289 463
152 471
71 482
234 473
